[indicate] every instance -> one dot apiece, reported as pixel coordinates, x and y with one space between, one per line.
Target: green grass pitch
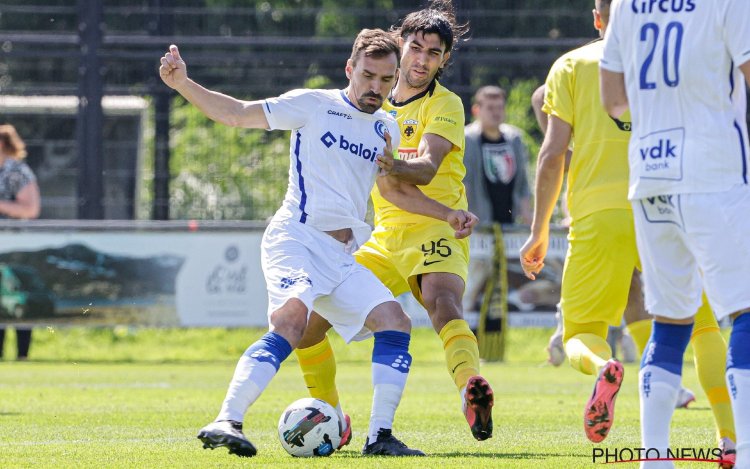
135 398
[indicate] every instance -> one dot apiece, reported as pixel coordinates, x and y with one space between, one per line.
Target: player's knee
289 321
388 316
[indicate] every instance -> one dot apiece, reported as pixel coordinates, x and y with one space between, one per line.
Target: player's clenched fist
173 70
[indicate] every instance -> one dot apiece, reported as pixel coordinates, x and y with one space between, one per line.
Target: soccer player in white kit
679 65
340 141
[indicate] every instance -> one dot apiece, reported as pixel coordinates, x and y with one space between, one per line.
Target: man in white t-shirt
679 67
340 144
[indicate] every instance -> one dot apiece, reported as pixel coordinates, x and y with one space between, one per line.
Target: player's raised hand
385 161
533 253
463 222
173 70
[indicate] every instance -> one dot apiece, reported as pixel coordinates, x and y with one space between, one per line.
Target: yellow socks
640 331
461 351
587 353
710 355
319 370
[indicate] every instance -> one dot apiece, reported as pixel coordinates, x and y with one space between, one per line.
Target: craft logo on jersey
381 129
409 127
356 149
339 114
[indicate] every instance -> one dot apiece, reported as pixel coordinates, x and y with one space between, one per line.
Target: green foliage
519 113
220 172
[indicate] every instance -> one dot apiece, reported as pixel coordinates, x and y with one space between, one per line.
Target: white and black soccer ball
310 427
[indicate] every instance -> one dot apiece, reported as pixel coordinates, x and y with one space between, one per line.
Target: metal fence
175 164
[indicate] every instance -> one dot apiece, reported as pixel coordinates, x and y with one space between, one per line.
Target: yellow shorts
602 255
397 254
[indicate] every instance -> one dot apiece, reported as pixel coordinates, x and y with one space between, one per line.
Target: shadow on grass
10 414
458 454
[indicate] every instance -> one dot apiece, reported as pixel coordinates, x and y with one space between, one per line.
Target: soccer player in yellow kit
602 255
412 253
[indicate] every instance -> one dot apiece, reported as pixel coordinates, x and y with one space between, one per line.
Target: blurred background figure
19 198
497 185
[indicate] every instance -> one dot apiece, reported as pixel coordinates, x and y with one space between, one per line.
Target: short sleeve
446 119
19 177
612 56
292 109
558 94
737 30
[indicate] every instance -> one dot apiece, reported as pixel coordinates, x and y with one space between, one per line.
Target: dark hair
489 92
375 43
13 146
439 18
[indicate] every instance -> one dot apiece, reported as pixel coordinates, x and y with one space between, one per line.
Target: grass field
135 398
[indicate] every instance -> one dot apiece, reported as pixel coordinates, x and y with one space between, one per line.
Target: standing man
679 67
496 160
410 252
497 186
340 140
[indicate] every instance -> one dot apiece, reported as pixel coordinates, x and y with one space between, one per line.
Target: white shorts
693 241
301 262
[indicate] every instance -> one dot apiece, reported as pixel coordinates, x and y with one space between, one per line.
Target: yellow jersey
436 111
598 173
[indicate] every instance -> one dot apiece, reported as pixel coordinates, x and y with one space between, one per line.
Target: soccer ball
310 427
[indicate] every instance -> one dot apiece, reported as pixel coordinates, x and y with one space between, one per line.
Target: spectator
19 198
497 185
496 160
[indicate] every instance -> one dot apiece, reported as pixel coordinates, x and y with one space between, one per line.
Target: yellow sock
640 331
587 353
319 370
710 356
461 351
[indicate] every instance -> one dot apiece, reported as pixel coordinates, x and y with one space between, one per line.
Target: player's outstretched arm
430 154
410 198
217 106
549 177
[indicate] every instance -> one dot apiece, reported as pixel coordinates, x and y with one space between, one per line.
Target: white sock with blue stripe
255 369
390 368
738 384
658 383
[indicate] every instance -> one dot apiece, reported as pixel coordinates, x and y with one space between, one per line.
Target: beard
369 108
418 83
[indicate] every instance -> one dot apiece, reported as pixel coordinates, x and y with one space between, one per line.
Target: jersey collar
430 89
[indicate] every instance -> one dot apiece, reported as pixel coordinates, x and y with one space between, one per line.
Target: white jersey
687 97
333 166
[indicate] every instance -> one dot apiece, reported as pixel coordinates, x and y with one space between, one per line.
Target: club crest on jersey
380 129
393 112
409 127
